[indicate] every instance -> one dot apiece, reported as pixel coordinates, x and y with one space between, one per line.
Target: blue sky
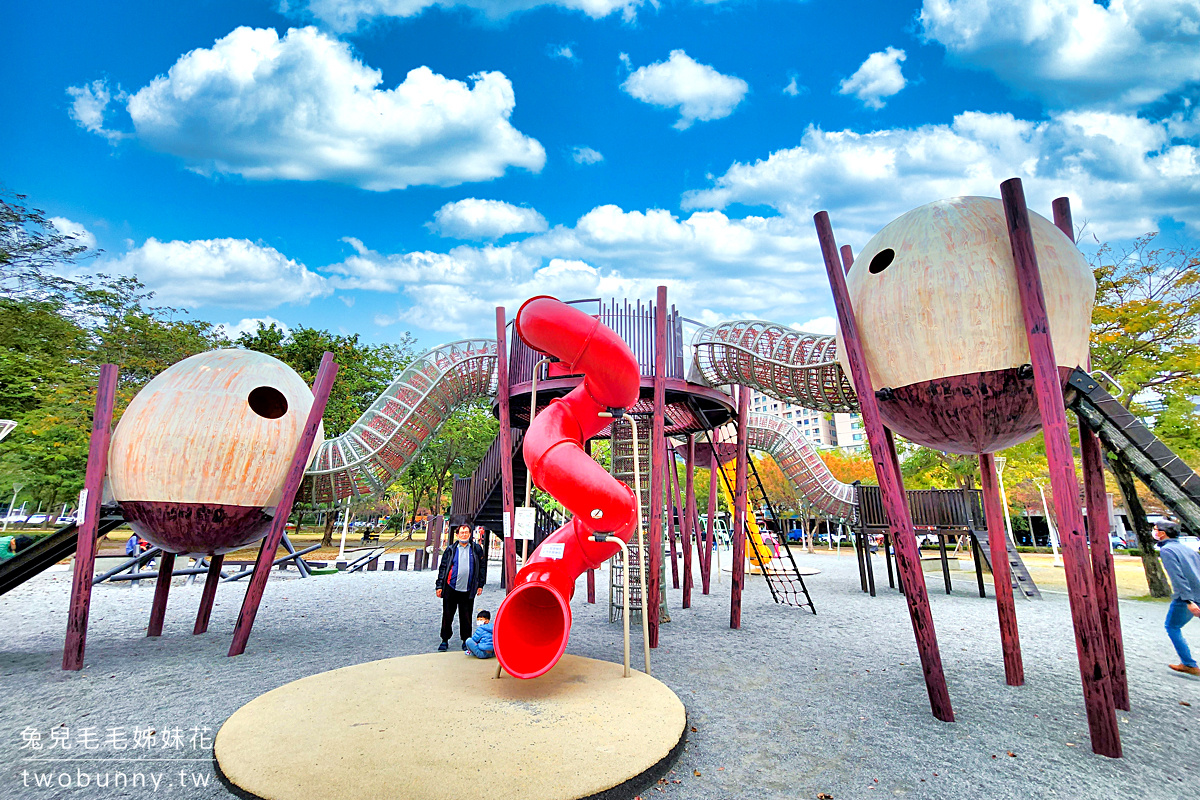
376 166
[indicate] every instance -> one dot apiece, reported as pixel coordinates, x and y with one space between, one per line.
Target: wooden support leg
739 510
1093 666
860 545
945 561
89 510
507 500
591 586
295 473
710 527
209 594
658 428
887 558
162 588
887 468
1010 639
689 519
673 509
1103 571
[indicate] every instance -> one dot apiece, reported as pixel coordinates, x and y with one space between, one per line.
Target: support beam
689 519
740 492
1006 609
673 505
891 486
1093 666
89 509
209 594
710 527
508 504
295 474
653 603
162 588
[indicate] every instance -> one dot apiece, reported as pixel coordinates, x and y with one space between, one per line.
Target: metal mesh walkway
798 459
364 460
787 364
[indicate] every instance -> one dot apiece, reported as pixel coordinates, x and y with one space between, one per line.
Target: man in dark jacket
462 574
1182 564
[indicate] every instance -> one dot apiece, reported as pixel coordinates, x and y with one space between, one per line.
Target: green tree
457 448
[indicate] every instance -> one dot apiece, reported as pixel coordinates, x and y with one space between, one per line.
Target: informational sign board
525 520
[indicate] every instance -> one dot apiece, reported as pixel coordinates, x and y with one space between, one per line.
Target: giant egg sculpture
938 310
199 457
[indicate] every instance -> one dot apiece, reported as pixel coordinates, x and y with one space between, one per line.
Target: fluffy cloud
250 325
304 108
1123 174
1117 55
714 265
586 155
877 78
345 16
74 230
473 218
227 272
697 90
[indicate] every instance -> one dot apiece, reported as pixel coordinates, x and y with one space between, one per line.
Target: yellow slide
759 552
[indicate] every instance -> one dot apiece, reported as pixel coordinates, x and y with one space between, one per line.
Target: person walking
462 574
1182 564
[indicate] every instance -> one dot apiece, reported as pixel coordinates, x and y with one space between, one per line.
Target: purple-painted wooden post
508 504
710 527
1006 609
653 603
847 257
689 520
85 548
672 488
740 492
162 587
1093 665
890 485
1103 571
291 484
436 527
209 594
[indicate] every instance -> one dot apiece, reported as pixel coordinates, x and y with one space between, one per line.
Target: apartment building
822 429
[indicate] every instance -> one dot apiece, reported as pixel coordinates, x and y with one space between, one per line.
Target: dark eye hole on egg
881 261
267 402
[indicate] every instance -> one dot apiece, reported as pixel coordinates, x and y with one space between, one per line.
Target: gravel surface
790 706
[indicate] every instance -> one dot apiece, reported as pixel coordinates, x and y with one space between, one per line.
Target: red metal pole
210 592
689 520
295 474
652 604
89 508
890 484
672 506
706 572
162 587
1103 571
509 569
847 257
738 559
1093 666
1010 639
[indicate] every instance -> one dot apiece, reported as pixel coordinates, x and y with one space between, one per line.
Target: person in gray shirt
462 574
1182 564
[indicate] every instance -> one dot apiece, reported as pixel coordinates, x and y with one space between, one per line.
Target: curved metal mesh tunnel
798 459
789 365
391 433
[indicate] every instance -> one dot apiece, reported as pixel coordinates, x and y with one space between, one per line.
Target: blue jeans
1178 616
474 649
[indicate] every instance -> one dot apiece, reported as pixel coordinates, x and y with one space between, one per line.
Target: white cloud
89 103
1121 54
250 325
225 272
793 88
1122 173
473 218
877 78
74 230
345 16
697 90
564 52
823 324
586 155
304 108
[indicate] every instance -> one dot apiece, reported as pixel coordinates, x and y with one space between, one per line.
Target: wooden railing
470 494
930 508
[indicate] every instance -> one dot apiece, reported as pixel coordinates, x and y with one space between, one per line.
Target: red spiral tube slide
534 621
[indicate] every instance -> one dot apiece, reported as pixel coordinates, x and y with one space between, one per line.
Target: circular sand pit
440 726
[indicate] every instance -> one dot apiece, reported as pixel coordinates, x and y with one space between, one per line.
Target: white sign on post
525 520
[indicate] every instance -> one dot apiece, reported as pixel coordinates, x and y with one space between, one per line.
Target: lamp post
16 488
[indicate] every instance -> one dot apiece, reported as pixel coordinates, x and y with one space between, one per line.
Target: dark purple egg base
208 528
980 412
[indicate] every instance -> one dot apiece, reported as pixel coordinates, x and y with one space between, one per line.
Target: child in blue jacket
480 643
